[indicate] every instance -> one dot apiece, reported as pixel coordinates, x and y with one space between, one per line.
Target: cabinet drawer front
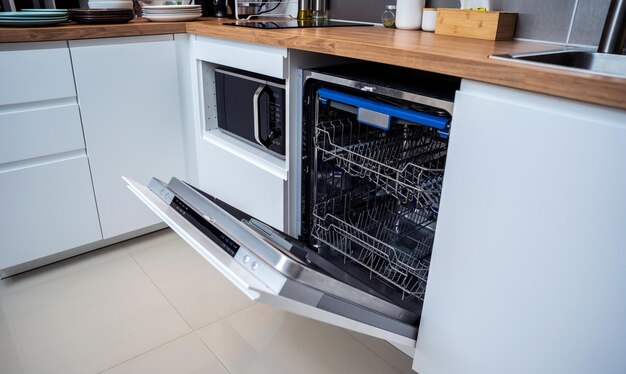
40 132
250 186
46 209
35 72
265 60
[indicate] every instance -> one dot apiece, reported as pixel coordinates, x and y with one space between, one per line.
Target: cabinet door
128 96
46 209
527 267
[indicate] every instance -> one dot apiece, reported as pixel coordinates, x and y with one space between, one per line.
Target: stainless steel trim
385 91
255 111
518 58
524 54
273 256
269 83
248 142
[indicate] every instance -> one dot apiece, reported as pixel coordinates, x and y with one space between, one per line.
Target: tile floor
152 305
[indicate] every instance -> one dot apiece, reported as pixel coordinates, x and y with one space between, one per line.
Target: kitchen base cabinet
46 209
46 195
129 99
527 272
232 170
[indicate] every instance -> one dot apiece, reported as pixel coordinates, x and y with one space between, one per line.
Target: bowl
94 4
164 2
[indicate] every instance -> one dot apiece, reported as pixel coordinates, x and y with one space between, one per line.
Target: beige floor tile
396 358
183 356
198 292
86 321
61 268
261 339
144 242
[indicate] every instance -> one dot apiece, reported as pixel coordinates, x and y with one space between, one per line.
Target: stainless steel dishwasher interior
573 60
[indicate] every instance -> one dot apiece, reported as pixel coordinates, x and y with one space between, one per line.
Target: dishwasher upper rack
407 161
392 241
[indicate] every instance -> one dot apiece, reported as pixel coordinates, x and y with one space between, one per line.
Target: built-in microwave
251 107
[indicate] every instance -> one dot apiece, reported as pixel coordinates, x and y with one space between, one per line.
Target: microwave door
264 272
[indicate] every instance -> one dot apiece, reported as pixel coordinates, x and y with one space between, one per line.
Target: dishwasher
373 149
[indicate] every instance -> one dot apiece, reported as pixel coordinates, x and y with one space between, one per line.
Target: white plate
163 11
172 18
110 5
172 14
171 7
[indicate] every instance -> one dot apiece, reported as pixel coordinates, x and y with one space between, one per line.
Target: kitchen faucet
614 33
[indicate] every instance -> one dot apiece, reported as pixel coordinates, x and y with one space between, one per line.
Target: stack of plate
101 15
112 4
169 13
33 17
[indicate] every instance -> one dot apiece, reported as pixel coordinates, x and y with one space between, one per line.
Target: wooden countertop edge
417 50
591 88
73 31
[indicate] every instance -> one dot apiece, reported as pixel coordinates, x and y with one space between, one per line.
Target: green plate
15 15
27 23
45 10
35 19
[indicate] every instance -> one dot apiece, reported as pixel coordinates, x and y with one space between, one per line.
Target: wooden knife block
476 24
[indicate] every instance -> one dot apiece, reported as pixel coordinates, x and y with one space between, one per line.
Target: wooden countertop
72 31
462 57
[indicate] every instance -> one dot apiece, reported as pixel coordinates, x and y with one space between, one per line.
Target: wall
563 21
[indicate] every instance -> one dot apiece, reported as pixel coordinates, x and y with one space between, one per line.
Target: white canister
429 19
409 14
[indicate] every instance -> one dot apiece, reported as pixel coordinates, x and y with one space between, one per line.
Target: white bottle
409 14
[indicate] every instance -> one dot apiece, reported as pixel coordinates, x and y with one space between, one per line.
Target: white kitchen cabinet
47 207
228 168
35 72
46 194
527 268
128 93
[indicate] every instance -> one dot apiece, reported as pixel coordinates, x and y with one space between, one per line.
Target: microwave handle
256 103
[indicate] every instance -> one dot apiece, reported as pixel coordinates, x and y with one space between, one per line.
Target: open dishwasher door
269 269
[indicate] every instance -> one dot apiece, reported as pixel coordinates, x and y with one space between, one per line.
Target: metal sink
575 60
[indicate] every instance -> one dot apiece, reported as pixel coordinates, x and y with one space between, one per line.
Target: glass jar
389 16
320 11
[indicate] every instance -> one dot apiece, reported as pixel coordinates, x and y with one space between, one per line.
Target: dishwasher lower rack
406 161
392 241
